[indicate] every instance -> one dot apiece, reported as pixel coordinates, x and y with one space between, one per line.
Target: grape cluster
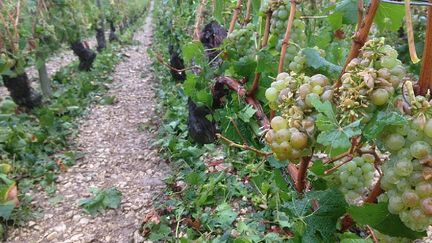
286 142
279 23
284 82
407 177
354 177
241 40
298 92
294 95
370 79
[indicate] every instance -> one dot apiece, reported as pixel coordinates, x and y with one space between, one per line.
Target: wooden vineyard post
425 81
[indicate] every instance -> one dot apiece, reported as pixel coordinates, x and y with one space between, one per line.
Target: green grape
278 123
396 205
414 135
420 149
424 189
410 198
298 140
403 168
271 94
428 128
283 14
388 62
379 97
319 79
366 168
394 142
426 206
403 185
350 166
318 89
282 135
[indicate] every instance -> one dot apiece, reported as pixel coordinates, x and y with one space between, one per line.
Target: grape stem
263 44
302 174
285 42
376 191
349 157
372 233
243 146
238 130
360 36
235 16
425 80
199 20
360 6
354 147
248 12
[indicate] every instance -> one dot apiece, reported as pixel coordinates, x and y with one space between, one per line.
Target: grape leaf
247 113
225 216
345 13
378 217
6 209
389 16
194 51
334 137
338 139
316 61
189 85
321 224
381 120
102 199
335 19
218 10
265 61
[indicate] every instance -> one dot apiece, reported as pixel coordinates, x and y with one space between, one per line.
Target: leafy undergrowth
38 145
101 200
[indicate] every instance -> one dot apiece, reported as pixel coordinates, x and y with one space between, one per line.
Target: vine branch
263 44
248 12
360 36
285 42
425 80
198 20
235 16
302 174
242 146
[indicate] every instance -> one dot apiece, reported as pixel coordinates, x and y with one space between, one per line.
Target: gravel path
118 153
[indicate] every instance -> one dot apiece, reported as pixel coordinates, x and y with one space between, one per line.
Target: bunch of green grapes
279 24
407 177
293 96
354 177
286 142
241 40
273 94
370 79
297 40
